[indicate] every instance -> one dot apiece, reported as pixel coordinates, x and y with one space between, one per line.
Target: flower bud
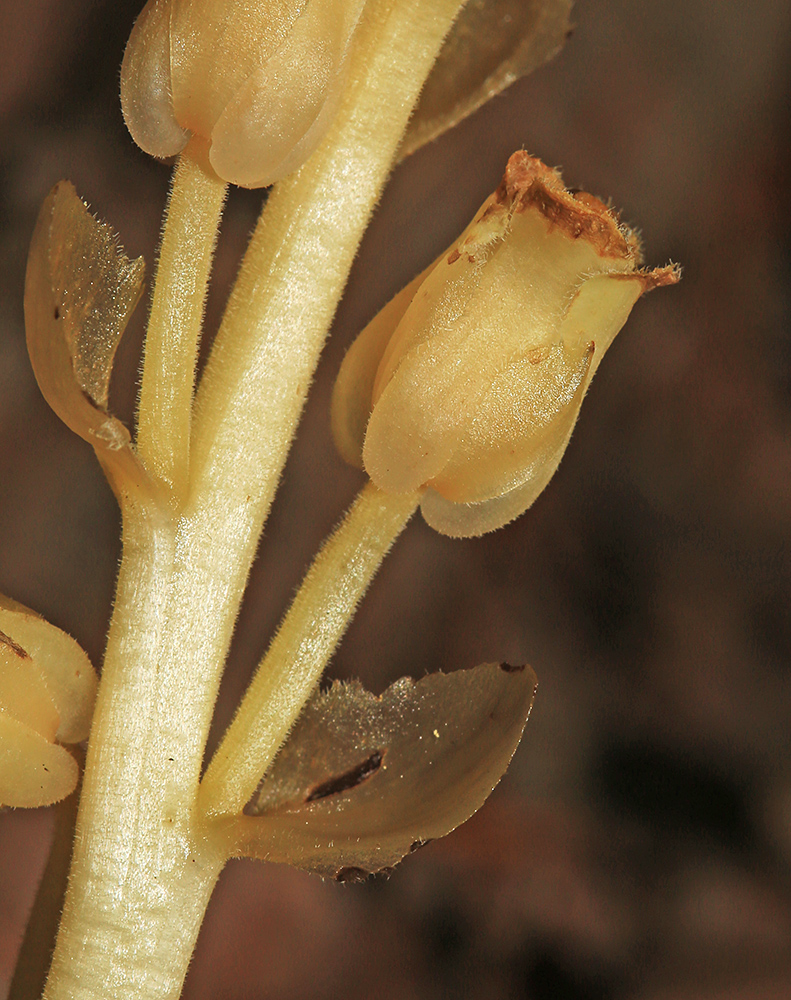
256 80
468 384
47 690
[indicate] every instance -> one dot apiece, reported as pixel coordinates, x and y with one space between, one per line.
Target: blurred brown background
640 845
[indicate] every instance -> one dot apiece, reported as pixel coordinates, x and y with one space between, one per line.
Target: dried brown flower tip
469 383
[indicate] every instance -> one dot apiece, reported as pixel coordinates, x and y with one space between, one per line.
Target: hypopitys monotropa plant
459 397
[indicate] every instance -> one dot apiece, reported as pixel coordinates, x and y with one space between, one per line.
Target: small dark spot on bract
453 256
57 312
509 668
349 779
351 874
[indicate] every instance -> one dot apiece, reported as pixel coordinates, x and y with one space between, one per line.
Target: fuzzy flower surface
256 81
468 384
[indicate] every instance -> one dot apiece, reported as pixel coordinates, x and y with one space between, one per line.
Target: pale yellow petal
146 99
276 117
443 297
602 305
469 520
274 110
33 771
432 360
23 690
216 47
353 391
67 672
530 410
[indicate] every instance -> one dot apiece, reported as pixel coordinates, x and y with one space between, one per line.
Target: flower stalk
303 645
173 336
145 862
196 485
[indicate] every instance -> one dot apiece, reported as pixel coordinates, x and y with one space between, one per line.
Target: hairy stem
144 866
165 410
250 399
141 872
305 641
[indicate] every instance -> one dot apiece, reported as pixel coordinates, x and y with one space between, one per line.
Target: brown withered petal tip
660 276
530 183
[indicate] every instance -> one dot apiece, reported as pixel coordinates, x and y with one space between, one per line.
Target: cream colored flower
469 383
257 80
47 690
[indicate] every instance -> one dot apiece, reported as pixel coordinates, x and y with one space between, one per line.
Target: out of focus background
640 845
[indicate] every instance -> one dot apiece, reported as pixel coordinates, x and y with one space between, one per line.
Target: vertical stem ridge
141 872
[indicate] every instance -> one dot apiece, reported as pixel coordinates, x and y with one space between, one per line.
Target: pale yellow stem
251 396
190 235
144 867
306 640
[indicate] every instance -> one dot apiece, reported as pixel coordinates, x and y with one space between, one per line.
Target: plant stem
143 869
144 865
193 216
252 393
303 645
